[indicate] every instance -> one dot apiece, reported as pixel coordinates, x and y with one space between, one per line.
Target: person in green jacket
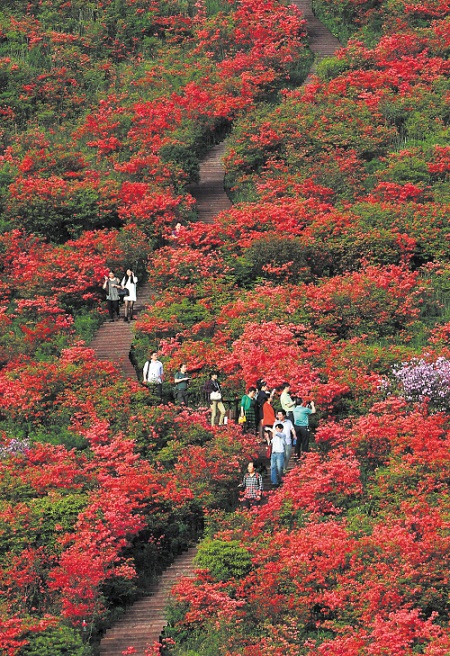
248 410
181 385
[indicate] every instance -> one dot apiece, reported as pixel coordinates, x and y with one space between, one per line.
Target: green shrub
274 251
331 67
224 560
58 641
182 156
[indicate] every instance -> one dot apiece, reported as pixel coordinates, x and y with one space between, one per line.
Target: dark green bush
274 251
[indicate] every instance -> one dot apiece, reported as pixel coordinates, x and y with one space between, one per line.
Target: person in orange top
268 413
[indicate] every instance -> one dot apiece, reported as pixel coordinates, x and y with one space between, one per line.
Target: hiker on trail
153 374
253 487
268 418
277 456
247 416
112 285
261 397
213 394
302 411
289 435
287 402
129 282
181 385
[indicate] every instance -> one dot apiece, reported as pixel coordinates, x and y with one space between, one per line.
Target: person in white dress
129 282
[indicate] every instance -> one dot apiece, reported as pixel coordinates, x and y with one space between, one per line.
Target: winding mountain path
143 624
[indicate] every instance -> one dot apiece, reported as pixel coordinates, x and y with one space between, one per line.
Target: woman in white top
129 282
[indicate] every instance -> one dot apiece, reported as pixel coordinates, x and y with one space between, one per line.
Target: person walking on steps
277 455
289 436
129 282
213 393
112 285
153 374
261 397
247 416
252 483
268 414
287 402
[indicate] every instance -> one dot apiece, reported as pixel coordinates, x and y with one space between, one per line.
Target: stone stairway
113 340
209 193
143 623
321 41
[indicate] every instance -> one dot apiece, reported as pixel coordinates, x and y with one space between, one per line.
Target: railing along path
143 623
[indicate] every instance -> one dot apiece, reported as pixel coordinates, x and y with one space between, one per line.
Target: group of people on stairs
285 431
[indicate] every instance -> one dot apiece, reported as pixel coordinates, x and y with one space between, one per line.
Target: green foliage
54 515
436 306
62 213
57 641
44 520
182 156
86 324
213 7
208 641
329 68
338 17
224 560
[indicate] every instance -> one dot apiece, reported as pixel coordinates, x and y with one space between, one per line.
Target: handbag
123 292
242 419
215 396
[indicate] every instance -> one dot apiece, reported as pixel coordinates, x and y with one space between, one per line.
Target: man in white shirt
153 373
277 455
289 435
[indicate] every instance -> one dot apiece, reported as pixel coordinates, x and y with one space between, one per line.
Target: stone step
144 622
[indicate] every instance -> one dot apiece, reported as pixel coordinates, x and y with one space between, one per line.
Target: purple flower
15 447
420 380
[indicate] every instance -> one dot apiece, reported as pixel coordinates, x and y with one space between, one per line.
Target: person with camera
301 411
112 285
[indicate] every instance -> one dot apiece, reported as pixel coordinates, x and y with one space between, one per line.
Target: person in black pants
181 385
112 285
301 412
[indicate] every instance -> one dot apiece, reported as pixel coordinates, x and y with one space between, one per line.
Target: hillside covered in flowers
331 271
